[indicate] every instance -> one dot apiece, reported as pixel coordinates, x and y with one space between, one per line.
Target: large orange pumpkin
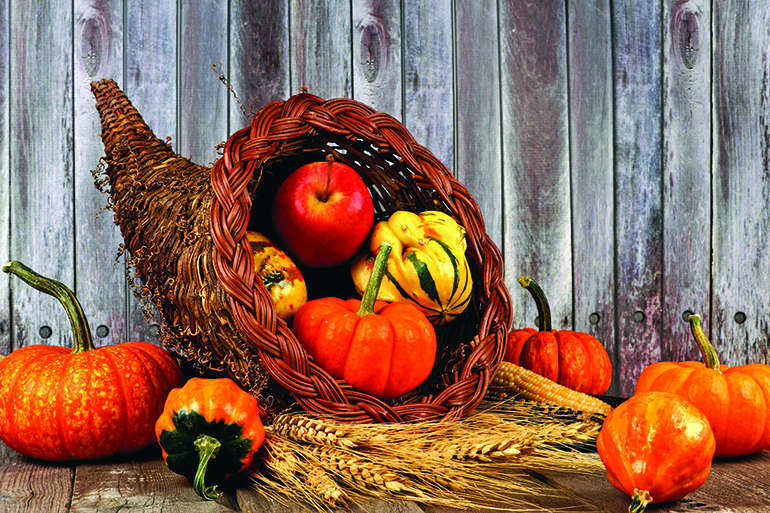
736 400
656 447
58 403
573 359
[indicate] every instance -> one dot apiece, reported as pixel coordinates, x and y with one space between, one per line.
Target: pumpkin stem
375 280
639 501
543 309
710 358
80 330
207 447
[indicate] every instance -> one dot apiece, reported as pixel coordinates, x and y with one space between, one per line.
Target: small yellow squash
427 265
280 275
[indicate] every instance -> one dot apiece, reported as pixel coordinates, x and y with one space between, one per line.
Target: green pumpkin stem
375 280
710 358
543 309
639 501
80 330
207 447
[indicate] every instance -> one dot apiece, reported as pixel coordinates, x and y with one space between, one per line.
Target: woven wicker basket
184 227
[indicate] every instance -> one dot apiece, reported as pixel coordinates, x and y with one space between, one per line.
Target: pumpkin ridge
134 350
60 390
11 406
121 390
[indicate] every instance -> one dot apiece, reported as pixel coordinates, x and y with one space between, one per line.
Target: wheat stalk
467 462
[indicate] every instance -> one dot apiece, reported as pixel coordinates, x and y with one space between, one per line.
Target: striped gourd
426 266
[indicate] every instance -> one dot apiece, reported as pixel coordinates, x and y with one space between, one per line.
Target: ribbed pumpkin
58 403
383 349
571 358
656 447
736 400
427 265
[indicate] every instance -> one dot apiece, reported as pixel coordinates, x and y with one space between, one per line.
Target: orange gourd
209 430
656 447
736 400
58 403
382 349
573 359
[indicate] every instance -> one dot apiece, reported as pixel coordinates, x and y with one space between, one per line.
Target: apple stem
329 162
375 280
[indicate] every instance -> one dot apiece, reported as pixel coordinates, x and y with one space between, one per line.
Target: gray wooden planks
376 56
478 148
320 48
5 176
203 99
101 284
41 165
589 33
537 233
151 85
686 174
428 90
259 57
139 485
638 233
741 188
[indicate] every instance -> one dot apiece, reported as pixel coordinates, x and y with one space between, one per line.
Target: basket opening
393 186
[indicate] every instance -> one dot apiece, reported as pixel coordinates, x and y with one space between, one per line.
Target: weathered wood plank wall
618 150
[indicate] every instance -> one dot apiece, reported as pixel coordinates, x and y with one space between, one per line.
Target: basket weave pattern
184 226
401 174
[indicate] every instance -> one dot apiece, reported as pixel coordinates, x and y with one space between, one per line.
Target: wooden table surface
141 482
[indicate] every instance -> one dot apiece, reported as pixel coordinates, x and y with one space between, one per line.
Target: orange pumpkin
382 349
736 400
58 403
656 447
573 359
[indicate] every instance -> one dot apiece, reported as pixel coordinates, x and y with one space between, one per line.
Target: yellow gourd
427 265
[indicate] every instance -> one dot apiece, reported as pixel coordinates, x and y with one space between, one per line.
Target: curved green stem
639 501
375 280
207 447
80 330
710 358
543 309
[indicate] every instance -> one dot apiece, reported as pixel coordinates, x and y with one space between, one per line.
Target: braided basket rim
302 118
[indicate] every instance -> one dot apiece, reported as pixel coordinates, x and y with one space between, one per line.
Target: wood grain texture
41 165
151 85
428 82
537 232
259 56
101 286
30 486
589 33
638 235
686 173
203 98
741 182
321 50
733 485
5 176
139 485
478 147
377 55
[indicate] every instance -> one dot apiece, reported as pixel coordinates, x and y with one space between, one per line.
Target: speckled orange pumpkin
58 403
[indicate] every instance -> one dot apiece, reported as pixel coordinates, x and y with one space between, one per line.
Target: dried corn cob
535 387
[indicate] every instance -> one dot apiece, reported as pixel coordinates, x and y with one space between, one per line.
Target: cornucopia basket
184 226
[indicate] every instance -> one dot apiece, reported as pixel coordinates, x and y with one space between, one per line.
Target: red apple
323 213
